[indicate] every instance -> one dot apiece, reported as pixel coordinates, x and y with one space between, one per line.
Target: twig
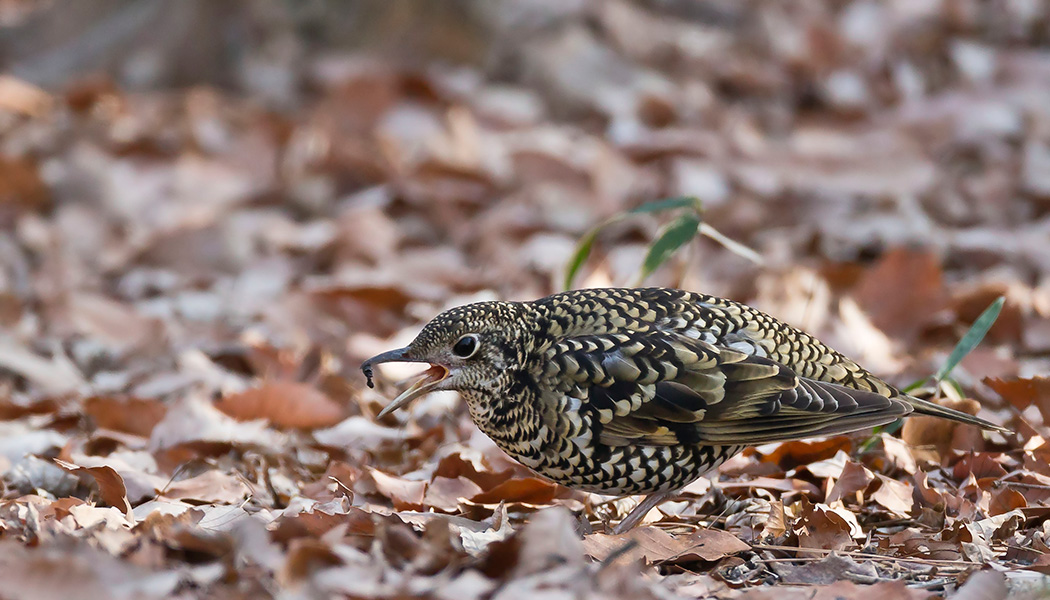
1027 486
928 561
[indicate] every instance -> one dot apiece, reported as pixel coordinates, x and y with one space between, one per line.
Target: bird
641 391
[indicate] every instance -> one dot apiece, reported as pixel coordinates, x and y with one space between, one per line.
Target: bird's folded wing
665 389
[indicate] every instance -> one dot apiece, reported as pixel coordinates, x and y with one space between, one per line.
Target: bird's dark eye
466 346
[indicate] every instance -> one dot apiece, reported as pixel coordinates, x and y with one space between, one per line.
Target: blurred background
319 177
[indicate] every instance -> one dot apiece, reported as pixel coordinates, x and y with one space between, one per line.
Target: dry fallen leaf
655 545
110 485
286 404
942 435
902 292
823 526
854 478
405 494
445 494
528 490
210 487
1024 392
895 496
129 415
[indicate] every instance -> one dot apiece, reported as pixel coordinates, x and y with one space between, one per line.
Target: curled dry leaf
287 404
823 526
854 478
110 485
405 494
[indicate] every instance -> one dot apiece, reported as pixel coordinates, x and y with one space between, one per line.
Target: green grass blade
668 204
584 247
973 337
579 256
674 236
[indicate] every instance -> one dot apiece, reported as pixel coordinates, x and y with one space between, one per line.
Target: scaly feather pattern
626 391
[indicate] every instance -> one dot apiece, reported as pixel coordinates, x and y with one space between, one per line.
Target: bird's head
471 348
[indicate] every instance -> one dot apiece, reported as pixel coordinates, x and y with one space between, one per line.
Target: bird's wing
665 389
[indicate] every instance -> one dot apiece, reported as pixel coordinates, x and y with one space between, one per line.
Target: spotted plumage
642 391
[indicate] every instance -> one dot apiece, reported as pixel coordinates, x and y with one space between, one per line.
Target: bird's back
710 319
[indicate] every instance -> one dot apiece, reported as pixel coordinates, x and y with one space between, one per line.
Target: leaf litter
190 277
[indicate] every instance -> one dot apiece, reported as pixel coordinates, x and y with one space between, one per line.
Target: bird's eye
466 346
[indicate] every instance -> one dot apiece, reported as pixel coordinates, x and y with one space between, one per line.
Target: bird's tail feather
925 407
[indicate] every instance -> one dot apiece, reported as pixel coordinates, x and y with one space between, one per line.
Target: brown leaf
445 493
1024 392
821 526
902 292
61 572
405 494
895 496
129 415
655 545
855 477
803 452
899 454
528 490
776 525
1005 500
21 187
284 404
942 434
212 487
981 465
110 485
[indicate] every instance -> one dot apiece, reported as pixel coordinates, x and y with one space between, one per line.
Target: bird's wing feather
665 389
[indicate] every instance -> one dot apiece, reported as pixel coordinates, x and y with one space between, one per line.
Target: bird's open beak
431 377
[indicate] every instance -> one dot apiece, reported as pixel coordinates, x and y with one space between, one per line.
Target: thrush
642 391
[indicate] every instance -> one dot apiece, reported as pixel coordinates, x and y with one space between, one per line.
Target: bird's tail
925 407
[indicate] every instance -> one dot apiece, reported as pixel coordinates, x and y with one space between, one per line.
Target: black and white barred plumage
632 391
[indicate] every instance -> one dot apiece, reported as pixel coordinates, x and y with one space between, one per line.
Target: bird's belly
627 470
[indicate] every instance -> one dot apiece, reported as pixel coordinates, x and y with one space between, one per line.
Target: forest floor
189 280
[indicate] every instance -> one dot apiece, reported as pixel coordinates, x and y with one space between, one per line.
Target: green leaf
675 235
584 246
579 256
668 204
973 337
